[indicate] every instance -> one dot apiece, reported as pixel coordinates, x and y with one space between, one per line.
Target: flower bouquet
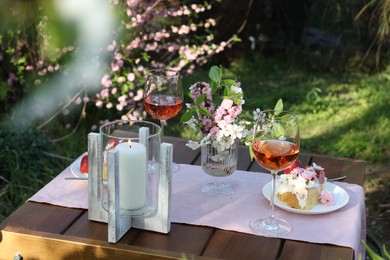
213 115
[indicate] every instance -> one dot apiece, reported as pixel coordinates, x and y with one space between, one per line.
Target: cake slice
301 188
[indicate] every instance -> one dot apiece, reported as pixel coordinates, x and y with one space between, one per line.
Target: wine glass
163 97
275 147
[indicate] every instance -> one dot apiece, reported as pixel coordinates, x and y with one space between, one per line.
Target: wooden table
42 231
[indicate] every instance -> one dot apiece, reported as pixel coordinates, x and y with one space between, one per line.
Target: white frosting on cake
298 182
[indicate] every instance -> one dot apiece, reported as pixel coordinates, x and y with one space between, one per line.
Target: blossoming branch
215 110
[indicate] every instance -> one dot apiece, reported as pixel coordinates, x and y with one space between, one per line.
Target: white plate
75 168
341 199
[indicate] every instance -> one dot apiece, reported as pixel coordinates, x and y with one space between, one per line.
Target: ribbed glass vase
218 165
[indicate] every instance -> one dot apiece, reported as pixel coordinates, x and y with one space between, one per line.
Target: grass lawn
340 114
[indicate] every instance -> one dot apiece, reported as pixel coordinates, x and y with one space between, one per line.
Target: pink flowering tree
155 34
152 34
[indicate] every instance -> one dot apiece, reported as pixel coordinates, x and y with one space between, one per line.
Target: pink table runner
344 227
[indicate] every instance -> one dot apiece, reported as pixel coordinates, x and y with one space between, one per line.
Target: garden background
66 68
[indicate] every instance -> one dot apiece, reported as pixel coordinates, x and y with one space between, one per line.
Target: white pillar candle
132 175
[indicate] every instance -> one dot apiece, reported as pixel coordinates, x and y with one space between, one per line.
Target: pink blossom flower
309 174
104 93
42 72
321 176
112 46
122 99
226 104
106 82
140 95
131 76
119 107
99 103
327 198
121 79
297 171
11 79
207 124
39 64
115 67
214 132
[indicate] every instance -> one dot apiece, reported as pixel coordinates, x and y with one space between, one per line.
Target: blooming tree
155 34
152 34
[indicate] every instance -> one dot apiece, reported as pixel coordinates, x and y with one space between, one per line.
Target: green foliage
215 74
278 107
24 167
375 256
340 114
379 14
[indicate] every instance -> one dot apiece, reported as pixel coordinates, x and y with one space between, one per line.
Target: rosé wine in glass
163 107
275 155
275 146
163 97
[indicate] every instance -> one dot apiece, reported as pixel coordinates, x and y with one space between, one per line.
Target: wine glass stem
162 124
271 215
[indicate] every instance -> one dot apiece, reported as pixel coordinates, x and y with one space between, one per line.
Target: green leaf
372 253
251 154
235 38
215 74
226 92
387 254
229 82
278 131
4 88
217 99
22 60
186 116
200 99
278 107
204 111
213 86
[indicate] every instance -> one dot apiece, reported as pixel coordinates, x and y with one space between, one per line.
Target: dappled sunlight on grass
340 114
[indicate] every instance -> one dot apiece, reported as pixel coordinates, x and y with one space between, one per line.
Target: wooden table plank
182 238
42 217
335 167
233 245
41 245
302 250
84 228
181 153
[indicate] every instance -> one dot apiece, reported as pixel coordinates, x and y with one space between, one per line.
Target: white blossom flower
258 114
193 145
236 89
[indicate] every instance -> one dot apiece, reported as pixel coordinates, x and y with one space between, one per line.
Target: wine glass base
217 189
153 167
270 227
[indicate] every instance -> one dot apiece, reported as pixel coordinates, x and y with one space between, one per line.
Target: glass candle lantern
136 145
